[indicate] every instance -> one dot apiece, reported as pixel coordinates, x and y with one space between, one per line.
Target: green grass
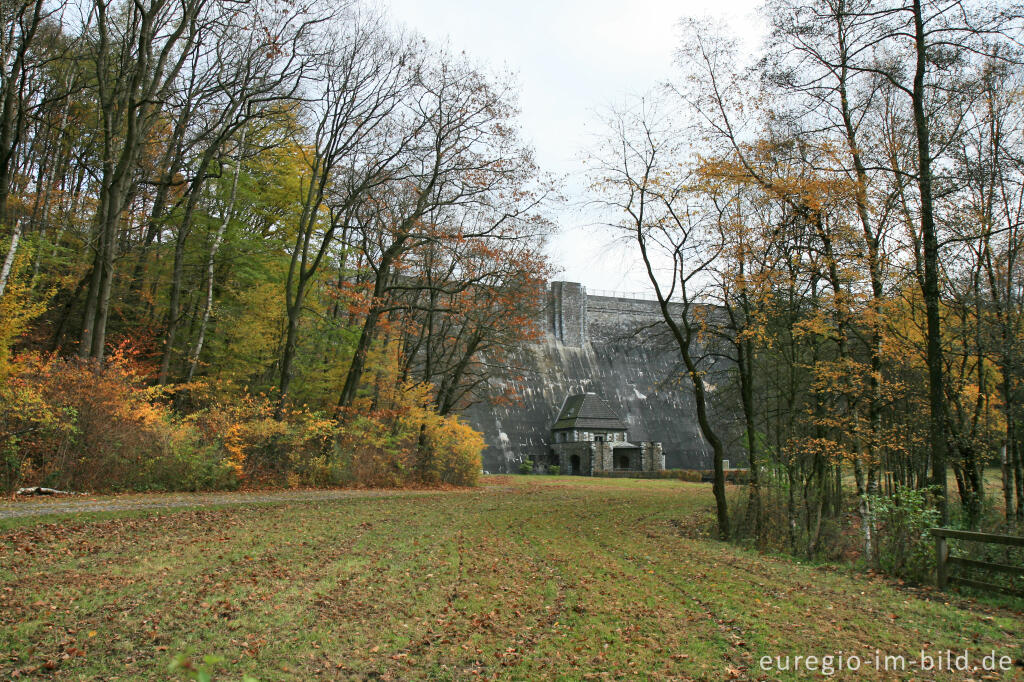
531 577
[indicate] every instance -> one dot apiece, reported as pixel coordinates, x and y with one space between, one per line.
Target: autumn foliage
75 427
230 242
66 424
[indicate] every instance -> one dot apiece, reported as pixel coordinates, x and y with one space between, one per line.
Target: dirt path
41 506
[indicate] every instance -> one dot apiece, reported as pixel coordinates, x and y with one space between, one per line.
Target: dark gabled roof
587 411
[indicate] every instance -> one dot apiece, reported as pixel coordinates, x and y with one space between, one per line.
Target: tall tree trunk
866 479
791 506
93 291
356 369
930 292
12 251
99 334
1006 471
113 198
746 375
211 258
368 334
1018 477
294 310
174 313
684 336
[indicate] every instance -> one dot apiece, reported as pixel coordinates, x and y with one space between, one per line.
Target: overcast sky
572 58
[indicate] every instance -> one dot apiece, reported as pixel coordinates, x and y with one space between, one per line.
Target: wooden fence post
941 554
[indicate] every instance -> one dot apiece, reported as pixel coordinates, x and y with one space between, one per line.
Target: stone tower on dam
615 347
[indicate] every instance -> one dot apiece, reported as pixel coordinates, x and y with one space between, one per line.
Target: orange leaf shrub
260 446
392 436
105 430
454 452
73 425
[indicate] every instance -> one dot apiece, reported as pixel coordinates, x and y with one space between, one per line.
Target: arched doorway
574 465
622 461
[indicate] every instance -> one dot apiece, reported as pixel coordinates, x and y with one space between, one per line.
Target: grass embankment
530 577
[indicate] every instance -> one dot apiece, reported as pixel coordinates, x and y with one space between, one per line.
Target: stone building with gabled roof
587 413
588 437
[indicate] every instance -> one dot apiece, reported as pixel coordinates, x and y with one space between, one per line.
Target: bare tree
638 175
461 154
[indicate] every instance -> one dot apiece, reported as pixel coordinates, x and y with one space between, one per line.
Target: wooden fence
944 562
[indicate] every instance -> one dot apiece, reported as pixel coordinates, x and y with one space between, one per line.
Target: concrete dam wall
615 347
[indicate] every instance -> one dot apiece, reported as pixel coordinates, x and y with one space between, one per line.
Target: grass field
524 578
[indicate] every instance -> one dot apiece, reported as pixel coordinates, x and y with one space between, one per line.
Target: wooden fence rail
943 561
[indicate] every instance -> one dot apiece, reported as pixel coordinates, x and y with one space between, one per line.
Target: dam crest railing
629 295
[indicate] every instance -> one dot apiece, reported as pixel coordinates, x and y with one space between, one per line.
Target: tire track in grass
527 649
568 587
386 589
454 604
475 566
736 669
510 648
546 618
569 509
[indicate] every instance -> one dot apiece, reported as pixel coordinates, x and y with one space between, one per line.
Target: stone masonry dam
615 347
